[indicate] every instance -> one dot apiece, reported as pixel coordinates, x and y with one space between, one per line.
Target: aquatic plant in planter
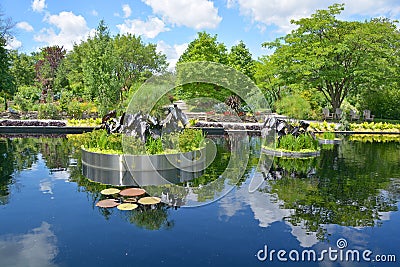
328 138
292 138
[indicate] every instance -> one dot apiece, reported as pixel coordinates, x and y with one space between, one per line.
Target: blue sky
172 24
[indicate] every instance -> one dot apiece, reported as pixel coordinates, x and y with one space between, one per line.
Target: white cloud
127 10
13 44
173 52
373 8
150 28
71 29
197 14
38 248
279 13
24 26
94 13
38 5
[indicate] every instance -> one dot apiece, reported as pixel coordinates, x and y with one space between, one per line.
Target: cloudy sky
172 24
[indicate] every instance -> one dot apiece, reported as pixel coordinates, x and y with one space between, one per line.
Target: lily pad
149 200
130 200
107 203
127 206
110 191
132 192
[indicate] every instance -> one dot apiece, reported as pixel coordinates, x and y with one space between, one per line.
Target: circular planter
329 142
293 154
141 170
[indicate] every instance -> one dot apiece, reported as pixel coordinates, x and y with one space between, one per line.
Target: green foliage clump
293 106
372 126
322 126
383 102
154 146
304 142
371 138
100 141
49 111
190 139
328 135
84 122
26 97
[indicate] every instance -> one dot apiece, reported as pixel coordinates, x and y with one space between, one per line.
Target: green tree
99 70
241 59
22 69
7 86
137 61
204 48
337 57
268 80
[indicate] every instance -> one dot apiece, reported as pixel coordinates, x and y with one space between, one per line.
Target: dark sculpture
144 126
282 128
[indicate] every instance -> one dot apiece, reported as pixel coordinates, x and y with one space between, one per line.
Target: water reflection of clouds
266 210
36 248
46 185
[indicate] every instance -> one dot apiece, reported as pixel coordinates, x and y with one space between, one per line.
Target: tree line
323 62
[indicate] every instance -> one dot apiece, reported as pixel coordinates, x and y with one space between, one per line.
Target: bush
383 103
293 106
26 97
65 99
74 109
49 111
190 139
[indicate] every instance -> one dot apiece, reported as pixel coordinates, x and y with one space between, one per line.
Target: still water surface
48 215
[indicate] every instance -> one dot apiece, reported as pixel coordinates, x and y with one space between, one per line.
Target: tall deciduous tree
204 48
337 57
241 59
137 61
7 86
22 69
99 70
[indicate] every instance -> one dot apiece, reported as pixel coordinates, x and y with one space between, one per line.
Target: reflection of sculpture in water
287 167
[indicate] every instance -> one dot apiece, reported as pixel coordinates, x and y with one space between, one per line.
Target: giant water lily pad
107 203
149 200
130 200
110 191
132 192
127 206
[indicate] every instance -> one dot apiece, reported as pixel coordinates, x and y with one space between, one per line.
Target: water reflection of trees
352 186
15 155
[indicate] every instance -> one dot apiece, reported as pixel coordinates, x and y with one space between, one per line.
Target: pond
349 193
